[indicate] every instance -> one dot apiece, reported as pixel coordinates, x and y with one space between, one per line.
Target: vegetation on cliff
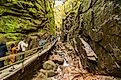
95 21
26 16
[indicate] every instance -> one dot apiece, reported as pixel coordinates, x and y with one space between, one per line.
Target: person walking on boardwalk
13 51
22 47
42 42
3 50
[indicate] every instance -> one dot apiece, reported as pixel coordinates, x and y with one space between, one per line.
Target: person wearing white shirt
22 47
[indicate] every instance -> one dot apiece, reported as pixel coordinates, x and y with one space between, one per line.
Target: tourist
42 43
13 51
22 47
3 50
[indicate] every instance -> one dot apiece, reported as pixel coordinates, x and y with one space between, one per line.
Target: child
13 51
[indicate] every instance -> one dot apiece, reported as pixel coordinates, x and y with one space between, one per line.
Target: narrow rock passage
68 66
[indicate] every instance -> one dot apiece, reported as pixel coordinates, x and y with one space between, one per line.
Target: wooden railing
26 54
26 61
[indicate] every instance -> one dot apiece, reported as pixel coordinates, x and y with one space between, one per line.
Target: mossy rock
49 65
48 73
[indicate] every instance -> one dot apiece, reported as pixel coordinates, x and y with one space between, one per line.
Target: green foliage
28 3
2 10
8 24
11 36
19 15
72 6
50 16
33 10
12 24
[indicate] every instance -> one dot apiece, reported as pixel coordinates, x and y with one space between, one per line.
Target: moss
11 36
2 10
20 16
33 10
8 24
50 16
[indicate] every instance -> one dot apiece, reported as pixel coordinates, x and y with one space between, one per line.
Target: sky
58 3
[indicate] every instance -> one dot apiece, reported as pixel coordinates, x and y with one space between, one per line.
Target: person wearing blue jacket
3 50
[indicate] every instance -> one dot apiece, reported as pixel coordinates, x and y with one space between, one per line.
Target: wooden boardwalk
6 72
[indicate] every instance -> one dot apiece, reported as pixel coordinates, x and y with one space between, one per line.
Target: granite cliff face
26 16
98 22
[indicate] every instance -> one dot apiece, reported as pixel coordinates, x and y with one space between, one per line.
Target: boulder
48 73
58 59
49 65
41 76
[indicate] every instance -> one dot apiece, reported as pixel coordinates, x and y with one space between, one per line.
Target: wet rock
48 73
69 47
51 73
99 25
49 65
58 59
41 76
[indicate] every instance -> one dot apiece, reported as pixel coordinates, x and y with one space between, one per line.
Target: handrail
18 54
30 60
17 62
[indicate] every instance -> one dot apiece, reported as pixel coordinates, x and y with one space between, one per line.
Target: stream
71 69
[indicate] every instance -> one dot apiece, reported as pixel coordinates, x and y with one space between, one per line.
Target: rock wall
98 23
26 16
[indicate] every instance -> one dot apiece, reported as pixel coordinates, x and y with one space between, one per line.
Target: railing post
22 63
